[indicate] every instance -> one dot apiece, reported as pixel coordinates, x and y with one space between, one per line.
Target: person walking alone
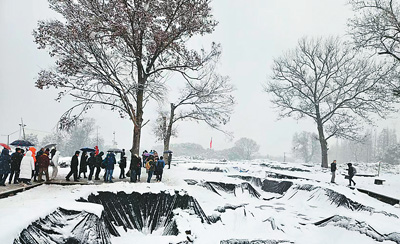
333 171
351 171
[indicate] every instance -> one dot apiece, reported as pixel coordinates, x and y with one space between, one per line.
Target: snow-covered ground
287 217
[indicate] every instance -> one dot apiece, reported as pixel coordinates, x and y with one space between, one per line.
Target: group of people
21 167
154 166
351 171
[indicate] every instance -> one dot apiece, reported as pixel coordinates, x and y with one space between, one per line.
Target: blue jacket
5 162
110 161
160 165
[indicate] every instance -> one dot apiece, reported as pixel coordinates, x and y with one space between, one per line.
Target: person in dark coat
159 168
333 171
74 167
169 159
43 162
135 165
99 160
109 161
122 166
83 165
144 157
5 166
16 158
36 173
91 164
351 172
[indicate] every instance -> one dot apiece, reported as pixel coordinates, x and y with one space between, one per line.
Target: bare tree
305 145
116 53
245 147
208 99
328 82
376 26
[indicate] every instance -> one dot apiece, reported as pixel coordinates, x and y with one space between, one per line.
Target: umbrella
88 149
22 143
168 151
146 154
50 145
5 146
114 150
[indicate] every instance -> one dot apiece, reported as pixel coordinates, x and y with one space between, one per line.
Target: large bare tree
328 82
208 99
117 52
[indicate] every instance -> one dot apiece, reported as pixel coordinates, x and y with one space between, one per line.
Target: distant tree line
243 149
83 134
376 146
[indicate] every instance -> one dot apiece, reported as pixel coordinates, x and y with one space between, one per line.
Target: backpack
148 165
354 171
103 163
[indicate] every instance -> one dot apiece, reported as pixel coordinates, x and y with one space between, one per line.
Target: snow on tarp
360 226
145 212
320 194
234 189
65 226
266 185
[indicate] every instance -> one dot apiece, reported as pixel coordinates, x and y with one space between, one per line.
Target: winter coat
83 165
152 165
27 165
135 163
160 166
91 161
43 161
74 163
33 150
122 164
99 159
350 171
333 167
16 161
5 162
55 158
110 161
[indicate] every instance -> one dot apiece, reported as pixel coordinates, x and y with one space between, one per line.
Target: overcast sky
252 33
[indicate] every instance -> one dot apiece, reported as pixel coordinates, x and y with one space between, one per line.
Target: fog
251 33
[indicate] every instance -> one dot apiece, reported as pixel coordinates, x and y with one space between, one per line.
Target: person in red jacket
43 162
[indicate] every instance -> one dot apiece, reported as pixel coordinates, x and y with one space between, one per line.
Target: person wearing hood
43 161
5 166
27 166
33 150
83 165
99 160
92 165
54 164
16 158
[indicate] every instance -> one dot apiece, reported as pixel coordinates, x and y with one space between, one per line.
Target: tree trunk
139 118
169 131
324 145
